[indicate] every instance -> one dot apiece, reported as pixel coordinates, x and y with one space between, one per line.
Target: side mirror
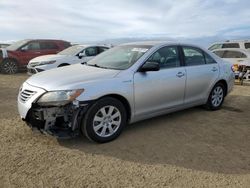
81 55
150 66
23 49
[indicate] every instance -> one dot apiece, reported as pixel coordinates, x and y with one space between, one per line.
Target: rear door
157 91
202 72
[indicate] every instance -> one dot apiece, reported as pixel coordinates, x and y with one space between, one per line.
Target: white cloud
96 19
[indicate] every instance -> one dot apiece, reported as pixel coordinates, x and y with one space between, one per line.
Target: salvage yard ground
191 148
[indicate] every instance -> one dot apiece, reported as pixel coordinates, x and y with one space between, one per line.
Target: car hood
53 57
70 77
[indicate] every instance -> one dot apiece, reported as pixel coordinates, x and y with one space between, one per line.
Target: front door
157 91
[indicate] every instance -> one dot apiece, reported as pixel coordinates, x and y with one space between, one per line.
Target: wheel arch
11 58
123 100
224 82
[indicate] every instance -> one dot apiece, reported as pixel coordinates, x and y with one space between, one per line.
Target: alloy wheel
10 67
107 121
217 96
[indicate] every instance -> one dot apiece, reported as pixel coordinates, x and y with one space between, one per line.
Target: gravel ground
191 148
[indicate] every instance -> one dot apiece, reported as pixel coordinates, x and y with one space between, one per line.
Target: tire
216 97
104 120
9 66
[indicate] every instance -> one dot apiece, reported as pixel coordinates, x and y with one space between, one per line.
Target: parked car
242 44
16 56
4 45
235 57
125 84
72 55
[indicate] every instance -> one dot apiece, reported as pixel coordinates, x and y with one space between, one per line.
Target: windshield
16 45
73 50
120 57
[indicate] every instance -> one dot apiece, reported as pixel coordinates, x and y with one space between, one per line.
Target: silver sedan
126 84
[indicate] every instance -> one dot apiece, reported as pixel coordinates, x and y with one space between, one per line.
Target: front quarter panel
122 86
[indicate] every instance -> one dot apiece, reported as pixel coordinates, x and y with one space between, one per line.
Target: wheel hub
107 121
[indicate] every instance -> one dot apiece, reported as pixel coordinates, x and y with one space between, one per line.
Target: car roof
55 40
91 45
160 43
149 43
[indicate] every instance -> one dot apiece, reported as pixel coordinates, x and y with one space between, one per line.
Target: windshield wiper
95 65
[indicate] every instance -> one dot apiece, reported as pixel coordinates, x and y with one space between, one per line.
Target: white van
242 44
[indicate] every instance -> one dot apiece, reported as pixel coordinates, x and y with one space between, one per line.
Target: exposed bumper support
61 122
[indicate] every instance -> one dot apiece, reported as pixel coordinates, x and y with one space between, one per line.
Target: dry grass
191 148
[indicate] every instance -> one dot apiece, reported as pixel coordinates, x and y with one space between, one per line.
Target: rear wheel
216 97
105 120
9 66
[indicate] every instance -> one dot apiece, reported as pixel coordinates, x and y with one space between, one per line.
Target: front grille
25 95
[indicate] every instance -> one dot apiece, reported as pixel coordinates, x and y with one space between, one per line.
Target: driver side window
167 57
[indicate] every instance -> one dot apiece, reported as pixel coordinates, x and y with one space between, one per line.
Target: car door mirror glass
81 54
150 66
24 49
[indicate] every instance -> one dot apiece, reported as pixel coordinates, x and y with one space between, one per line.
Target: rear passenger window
66 44
219 53
215 46
231 45
247 45
167 57
193 56
102 49
48 46
233 54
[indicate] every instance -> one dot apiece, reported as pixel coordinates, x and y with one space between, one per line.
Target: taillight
235 67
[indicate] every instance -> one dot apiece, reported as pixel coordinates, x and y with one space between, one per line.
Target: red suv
16 56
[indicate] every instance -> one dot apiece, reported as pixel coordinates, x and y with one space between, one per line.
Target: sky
96 20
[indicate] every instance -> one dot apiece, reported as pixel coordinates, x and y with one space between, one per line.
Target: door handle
180 74
214 69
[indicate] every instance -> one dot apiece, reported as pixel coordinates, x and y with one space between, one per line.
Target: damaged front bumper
58 121
61 122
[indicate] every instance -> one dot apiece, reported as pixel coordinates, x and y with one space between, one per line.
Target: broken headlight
59 98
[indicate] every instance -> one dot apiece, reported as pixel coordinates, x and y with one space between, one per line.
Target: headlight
46 62
59 98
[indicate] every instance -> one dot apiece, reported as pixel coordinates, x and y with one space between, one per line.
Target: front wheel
9 66
105 120
216 97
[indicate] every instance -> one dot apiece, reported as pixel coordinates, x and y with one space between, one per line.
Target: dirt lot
191 148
